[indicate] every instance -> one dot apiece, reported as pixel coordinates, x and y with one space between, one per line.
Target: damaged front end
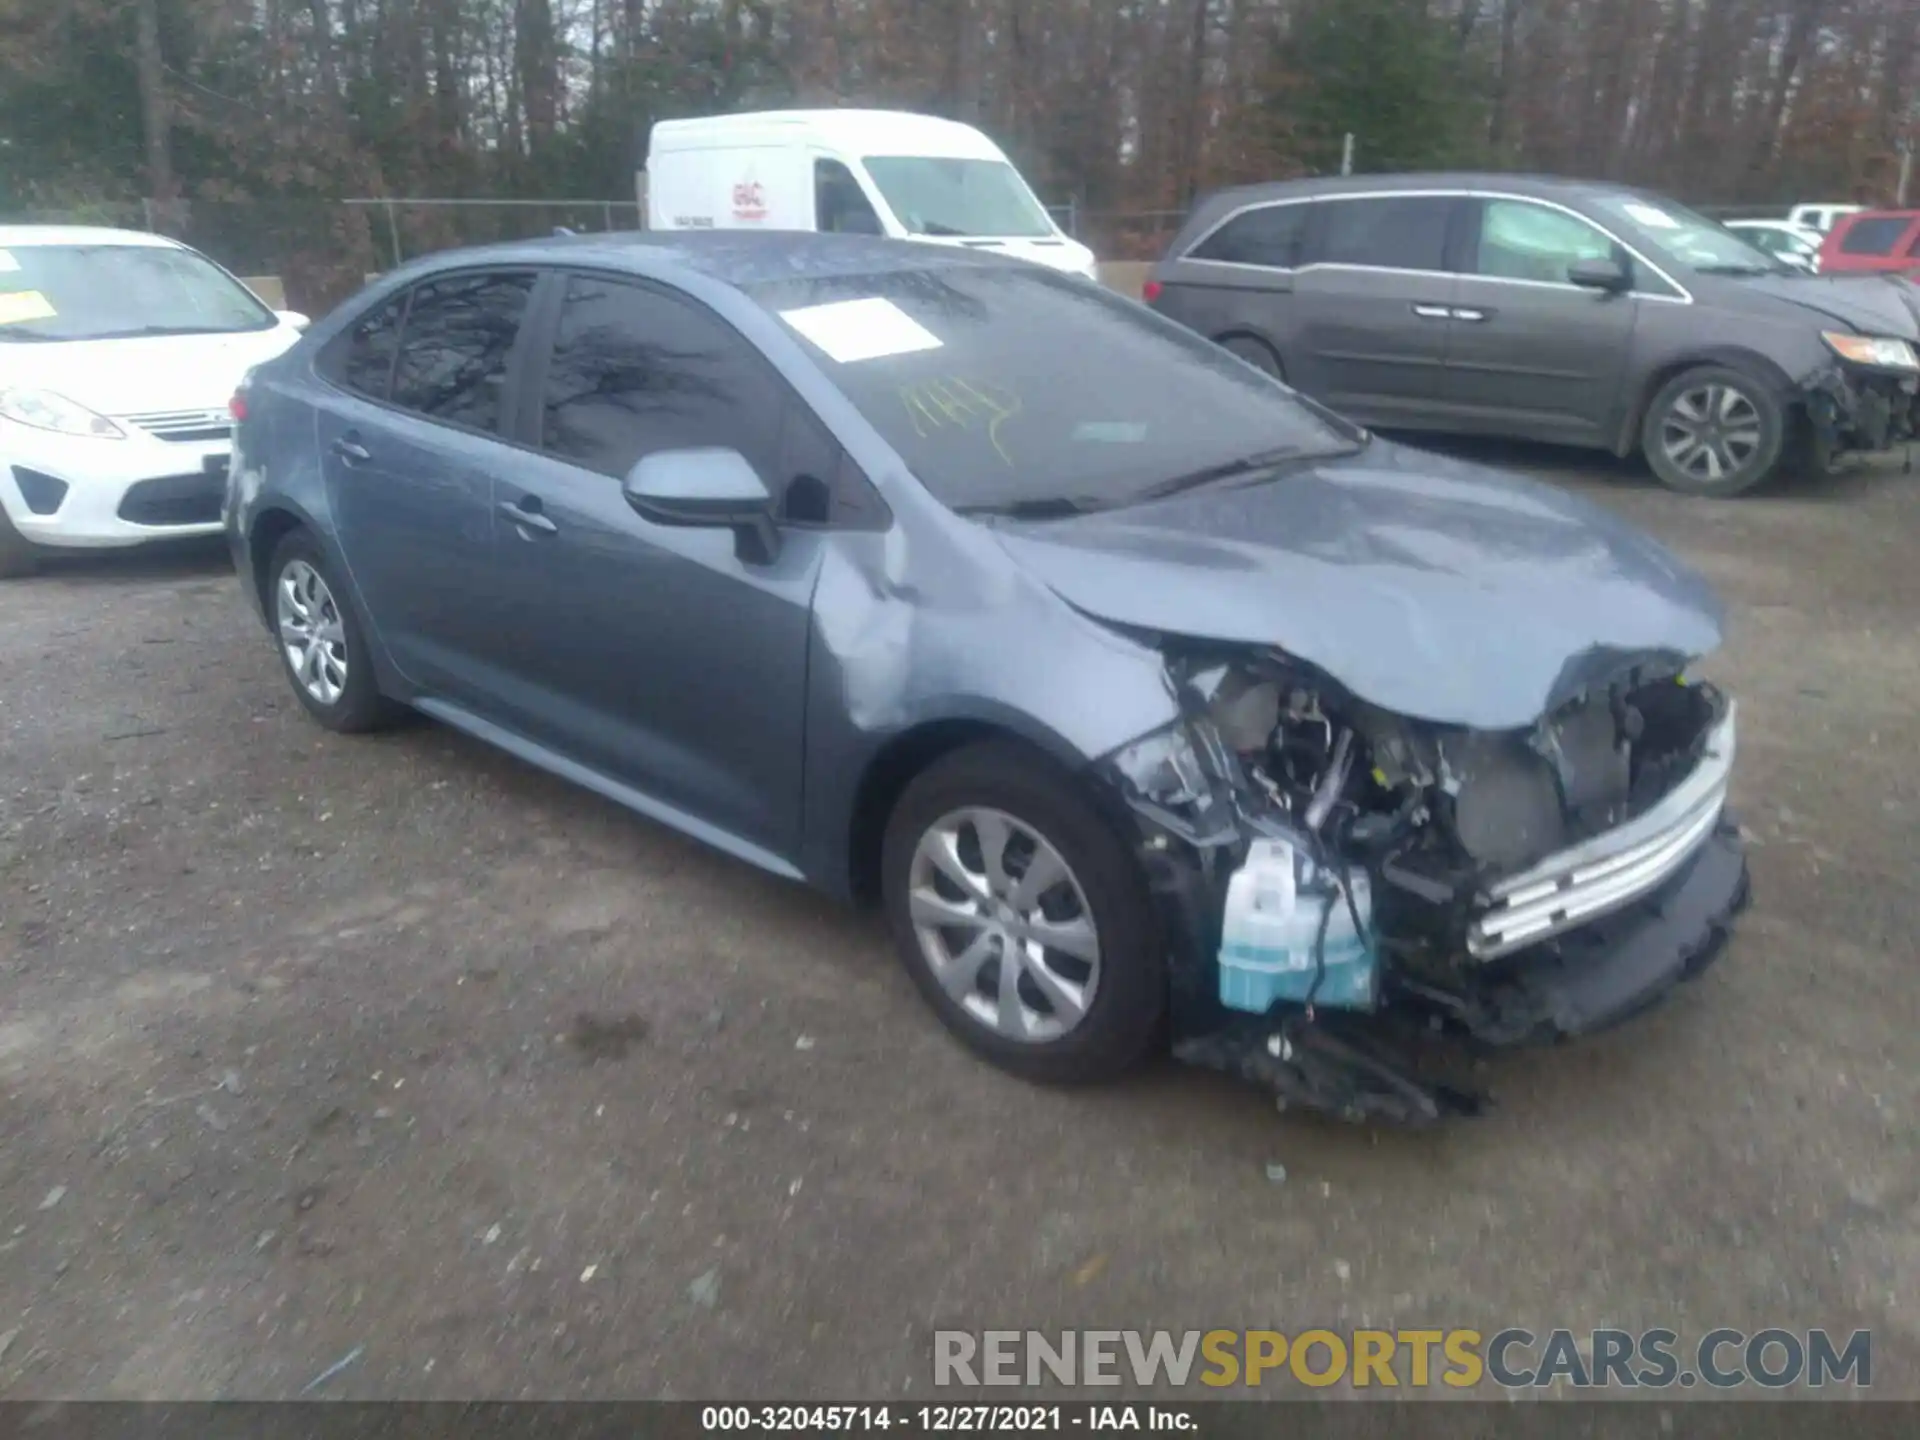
1865 401
1360 899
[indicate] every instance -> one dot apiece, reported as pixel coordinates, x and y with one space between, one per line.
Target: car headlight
44 410
1878 350
1164 767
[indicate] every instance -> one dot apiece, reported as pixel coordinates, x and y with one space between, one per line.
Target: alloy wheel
1712 432
1004 925
311 632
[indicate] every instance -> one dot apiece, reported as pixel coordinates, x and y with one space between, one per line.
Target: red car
1880 241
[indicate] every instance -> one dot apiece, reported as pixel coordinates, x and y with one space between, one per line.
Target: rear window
1388 232
1875 236
1268 236
1002 386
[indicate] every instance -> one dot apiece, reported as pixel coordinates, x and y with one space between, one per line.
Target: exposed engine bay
1483 857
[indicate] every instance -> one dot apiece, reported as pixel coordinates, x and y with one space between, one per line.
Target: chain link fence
319 252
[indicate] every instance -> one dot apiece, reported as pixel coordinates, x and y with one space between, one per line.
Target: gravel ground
394 1049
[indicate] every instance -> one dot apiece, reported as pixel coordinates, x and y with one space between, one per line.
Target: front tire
19 556
1022 918
1714 431
319 639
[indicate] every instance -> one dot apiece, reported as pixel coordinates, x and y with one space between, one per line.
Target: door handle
1472 316
1432 312
349 449
528 519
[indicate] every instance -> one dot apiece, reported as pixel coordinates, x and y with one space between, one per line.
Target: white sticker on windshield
25 305
7 263
851 330
1650 217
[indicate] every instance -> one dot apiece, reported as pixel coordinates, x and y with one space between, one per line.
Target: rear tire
1063 982
1714 431
19 556
1256 353
318 637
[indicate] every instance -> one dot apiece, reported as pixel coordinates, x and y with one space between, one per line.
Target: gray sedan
1556 310
1151 702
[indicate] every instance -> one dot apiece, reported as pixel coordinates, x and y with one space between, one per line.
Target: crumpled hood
141 375
1869 304
1429 587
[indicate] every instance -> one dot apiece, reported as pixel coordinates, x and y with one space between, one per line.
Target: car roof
860 131
736 258
22 237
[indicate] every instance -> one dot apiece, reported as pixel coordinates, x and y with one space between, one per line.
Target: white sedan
1790 244
119 354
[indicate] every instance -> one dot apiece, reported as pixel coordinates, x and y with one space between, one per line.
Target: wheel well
1242 334
886 779
1755 365
269 529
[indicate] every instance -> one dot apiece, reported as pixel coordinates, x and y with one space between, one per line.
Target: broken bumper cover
1857 411
1612 969
1581 884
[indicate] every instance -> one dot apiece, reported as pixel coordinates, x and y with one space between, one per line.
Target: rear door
1372 306
1531 354
409 437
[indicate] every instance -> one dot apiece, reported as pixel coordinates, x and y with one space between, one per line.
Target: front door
1371 307
654 654
409 439
1530 353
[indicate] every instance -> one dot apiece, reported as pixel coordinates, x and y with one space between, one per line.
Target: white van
1820 217
873 172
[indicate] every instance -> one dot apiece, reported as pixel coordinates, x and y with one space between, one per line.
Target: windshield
102 292
1688 239
1018 389
934 196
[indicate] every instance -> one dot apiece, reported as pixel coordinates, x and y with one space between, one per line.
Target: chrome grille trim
184 424
1610 870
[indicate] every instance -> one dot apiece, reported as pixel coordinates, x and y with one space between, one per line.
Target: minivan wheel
1021 917
319 640
1256 353
19 557
1713 431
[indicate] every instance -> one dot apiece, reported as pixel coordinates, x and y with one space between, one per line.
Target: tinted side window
1387 232
453 356
1270 235
634 371
361 358
1519 241
1877 236
841 207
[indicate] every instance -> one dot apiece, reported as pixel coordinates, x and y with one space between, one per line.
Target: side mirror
1608 275
710 489
293 318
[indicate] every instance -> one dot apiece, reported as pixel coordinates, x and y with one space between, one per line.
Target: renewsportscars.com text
1513 1359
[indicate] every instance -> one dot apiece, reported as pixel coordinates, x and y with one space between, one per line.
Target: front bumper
1855 410
73 492
1567 890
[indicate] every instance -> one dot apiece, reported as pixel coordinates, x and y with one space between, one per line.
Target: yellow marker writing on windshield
934 405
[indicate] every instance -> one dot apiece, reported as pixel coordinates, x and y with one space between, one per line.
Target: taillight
1150 291
237 406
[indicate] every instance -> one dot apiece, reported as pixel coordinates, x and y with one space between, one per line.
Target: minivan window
1268 236
117 292
1876 236
635 370
1386 232
841 207
1684 238
1522 241
453 356
1006 387
938 196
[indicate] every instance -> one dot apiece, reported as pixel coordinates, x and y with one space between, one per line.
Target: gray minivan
1549 309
